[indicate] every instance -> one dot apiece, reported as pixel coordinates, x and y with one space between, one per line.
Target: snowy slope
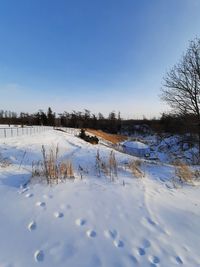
93 222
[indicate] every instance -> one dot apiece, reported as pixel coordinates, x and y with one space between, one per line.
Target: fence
73 131
19 131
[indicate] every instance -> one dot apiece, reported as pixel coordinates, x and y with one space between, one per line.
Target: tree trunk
199 141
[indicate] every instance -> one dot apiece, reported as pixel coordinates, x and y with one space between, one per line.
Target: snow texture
92 221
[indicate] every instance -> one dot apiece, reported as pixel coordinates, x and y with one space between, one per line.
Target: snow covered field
93 222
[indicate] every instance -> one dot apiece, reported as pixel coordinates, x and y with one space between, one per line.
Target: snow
92 221
135 145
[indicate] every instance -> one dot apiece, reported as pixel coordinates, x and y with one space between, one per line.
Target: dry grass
177 162
184 173
50 168
101 166
98 163
4 162
112 166
113 138
135 167
108 168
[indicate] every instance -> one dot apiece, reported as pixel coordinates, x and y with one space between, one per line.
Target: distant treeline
113 123
75 119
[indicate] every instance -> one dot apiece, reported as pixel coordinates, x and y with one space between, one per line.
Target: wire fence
73 131
19 131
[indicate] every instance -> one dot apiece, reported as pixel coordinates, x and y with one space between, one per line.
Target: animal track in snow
133 259
141 251
150 221
146 243
91 233
47 196
154 259
32 226
39 255
110 234
58 214
23 190
80 222
179 260
28 195
118 243
40 204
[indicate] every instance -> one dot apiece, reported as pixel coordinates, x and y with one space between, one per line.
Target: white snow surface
135 144
93 222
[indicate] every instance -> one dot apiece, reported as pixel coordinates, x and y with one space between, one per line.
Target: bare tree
182 84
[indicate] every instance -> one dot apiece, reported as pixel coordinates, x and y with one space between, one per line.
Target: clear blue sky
101 55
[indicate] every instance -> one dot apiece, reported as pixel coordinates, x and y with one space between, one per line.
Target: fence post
5 133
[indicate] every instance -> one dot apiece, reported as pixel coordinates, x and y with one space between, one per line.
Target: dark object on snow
90 139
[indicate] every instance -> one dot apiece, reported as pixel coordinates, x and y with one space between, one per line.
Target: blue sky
101 55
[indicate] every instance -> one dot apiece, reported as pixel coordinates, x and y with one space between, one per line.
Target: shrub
91 139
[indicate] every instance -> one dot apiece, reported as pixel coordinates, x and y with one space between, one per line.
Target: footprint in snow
40 204
150 221
47 196
32 226
118 243
39 255
28 195
80 222
179 260
91 233
133 259
141 251
146 243
154 259
110 234
23 190
58 214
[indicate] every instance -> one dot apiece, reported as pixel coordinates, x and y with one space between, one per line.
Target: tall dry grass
50 167
112 164
107 167
135 168
184 173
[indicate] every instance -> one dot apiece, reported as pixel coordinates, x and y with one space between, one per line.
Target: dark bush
90 139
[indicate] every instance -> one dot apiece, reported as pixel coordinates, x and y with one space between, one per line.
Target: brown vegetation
184 173
113 138
135 167
108 168
50 168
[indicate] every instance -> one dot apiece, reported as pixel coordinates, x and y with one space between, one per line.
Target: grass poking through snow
50 167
